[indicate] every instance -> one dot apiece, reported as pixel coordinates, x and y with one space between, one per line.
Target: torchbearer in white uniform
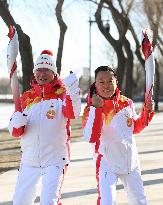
109 124
42 125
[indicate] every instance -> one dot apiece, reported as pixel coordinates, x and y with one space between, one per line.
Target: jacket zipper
42 91
127 145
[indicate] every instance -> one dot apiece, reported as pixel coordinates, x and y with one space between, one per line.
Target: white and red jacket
110 129
45 138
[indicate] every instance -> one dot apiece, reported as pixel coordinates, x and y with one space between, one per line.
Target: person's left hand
71 84
149 105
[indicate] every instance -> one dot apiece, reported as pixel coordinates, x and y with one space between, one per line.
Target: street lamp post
107 27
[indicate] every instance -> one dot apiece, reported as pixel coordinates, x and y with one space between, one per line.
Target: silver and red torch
147 50
12 52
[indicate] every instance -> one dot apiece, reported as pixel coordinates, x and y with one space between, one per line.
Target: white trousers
107 181
27 181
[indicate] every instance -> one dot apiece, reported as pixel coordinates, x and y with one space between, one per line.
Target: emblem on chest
129 122
50 114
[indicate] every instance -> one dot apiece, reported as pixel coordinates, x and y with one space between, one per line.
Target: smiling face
44 76
106 84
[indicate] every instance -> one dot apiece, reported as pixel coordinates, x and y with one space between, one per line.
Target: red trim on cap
47 52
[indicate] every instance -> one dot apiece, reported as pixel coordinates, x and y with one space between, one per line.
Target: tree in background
116 44
129 57
63 29
5 86
25 47
122 47
120 12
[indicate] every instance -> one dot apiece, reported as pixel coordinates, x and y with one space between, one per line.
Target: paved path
79 187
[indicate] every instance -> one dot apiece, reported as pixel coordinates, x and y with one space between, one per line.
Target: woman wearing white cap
43 127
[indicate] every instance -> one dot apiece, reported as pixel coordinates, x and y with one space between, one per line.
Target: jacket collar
115 99
46 89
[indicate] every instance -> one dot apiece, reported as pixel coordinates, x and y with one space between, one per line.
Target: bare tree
63 29
121 46
160 45
125 13
25 47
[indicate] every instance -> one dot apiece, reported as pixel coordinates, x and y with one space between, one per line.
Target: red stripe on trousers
97 177
59 198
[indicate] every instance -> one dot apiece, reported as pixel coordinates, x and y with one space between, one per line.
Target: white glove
18 120
71 84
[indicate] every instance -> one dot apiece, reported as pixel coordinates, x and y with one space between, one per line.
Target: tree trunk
63 29
121 67
25 49
157 86
131 28
116 44
129 69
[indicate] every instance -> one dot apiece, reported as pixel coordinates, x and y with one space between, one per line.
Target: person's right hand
18 120
149 105
97 101
71 84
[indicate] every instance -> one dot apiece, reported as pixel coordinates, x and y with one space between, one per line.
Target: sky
37 19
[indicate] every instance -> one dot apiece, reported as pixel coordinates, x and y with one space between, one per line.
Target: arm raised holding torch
18 120
150 71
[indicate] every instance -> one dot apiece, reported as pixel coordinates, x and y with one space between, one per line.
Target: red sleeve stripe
97 125
68 108
92 129
142 121
76 104
89 124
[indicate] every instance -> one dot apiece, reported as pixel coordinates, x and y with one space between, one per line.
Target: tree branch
63 28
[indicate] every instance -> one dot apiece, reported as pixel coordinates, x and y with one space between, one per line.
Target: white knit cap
45 60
